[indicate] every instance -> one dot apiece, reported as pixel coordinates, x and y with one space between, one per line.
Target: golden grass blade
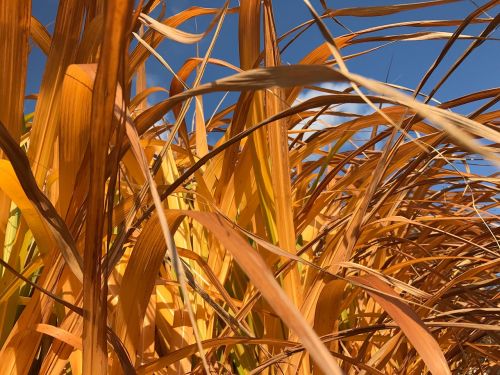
15 20
41 204
74 131
61 335
331 298
61 54
423 23
173 33
423 35
410 324
141 81
377 11
280 164
138 282
88 49
167 236
117 19
58 356
37 223
40 35
14 34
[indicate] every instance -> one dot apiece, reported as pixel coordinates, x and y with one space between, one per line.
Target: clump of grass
257 241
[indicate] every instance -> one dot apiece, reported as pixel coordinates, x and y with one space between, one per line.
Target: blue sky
403 63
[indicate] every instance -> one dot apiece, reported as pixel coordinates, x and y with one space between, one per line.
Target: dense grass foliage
274 232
